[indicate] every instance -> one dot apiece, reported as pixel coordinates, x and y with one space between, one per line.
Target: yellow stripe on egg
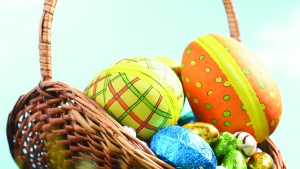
239 82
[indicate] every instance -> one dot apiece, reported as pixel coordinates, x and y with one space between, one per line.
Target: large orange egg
228 86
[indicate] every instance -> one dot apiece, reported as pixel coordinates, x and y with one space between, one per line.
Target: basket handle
232 19
45 31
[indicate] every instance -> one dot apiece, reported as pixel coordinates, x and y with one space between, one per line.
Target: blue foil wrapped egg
182 148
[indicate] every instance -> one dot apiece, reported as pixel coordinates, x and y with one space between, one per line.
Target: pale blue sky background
90 35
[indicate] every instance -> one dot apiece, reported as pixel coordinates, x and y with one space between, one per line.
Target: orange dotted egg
229 87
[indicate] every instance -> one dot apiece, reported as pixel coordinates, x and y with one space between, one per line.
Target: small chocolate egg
130 130
145 143
260 160
247 159
220 167
234 159
205 130
258 150
223 145
186 118
182 148
245 142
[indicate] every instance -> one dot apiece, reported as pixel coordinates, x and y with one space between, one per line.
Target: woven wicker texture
57 126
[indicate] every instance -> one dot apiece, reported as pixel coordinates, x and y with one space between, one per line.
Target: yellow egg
260 160
205 130
140 92
173 64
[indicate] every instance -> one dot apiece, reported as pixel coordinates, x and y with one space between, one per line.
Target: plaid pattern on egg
131 101
162 69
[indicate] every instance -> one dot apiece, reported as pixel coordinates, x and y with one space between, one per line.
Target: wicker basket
57 126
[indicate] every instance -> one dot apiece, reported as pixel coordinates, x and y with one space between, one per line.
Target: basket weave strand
57 126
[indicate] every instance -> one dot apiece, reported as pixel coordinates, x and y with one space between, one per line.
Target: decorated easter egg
225 144
227 85
234 159
162 66
173 64
139 92
182 148
245 143
205 130
260 160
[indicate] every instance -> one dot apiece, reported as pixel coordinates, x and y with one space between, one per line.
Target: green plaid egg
140 92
